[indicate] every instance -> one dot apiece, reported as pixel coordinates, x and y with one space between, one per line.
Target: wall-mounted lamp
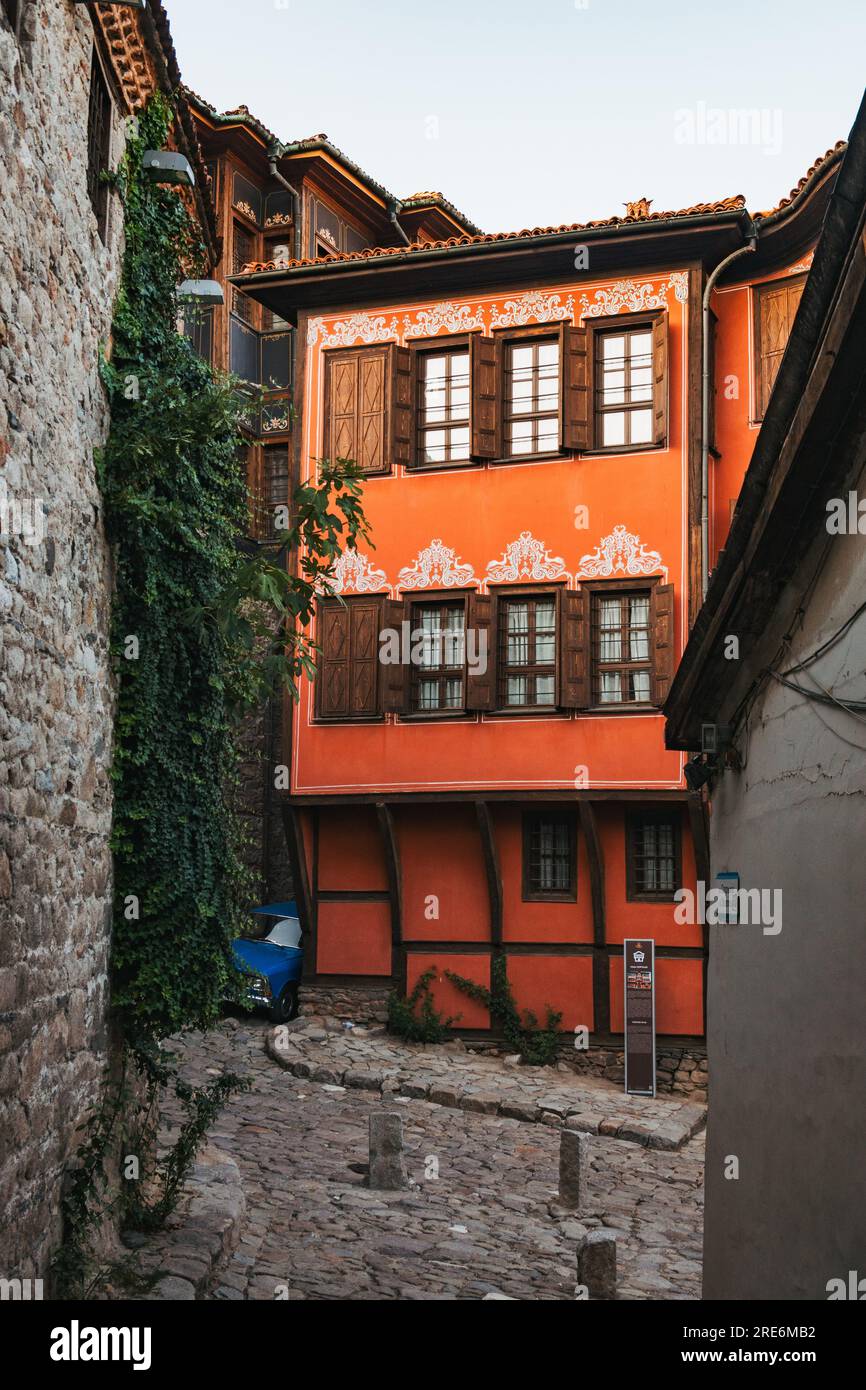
698 771
167 166
201 292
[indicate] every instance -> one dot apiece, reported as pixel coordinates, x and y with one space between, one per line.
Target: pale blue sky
532 112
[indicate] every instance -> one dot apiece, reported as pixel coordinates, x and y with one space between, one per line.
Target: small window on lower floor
437 672
549 856
653 855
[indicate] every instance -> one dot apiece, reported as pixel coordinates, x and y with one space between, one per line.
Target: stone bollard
387 1170
573 1168
596 1264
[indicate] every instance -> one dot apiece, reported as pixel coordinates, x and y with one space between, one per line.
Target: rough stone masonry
56 294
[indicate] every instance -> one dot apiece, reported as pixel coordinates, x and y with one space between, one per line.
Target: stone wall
57 284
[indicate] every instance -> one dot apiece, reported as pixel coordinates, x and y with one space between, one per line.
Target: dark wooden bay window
653 855
549 856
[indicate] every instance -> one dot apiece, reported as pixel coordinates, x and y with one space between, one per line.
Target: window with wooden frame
243 253
775 308
443 406
543 393
631 643
549 856
630 382
653 855
532 397
455 408
98 143
368 406
527 630
347 684
448 669
438 632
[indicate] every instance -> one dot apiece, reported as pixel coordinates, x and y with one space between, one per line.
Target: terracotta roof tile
829 155
733 204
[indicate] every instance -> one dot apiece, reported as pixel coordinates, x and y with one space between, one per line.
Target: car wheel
286 1007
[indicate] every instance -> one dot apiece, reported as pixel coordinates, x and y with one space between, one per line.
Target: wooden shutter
373 385
660 379
341 405
485 415
662 640
576 396
333 677
364 656
574 683
401 433
357 389
777 309
481 686
394 613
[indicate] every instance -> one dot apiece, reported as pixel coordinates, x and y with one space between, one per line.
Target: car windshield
285 932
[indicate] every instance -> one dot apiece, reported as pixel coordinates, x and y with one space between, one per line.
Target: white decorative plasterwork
526 558
633 297
619 553
357 328
542 308
456 318
802 265
354 573
436 564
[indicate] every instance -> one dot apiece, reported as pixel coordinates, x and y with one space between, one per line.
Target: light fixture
201 291
697 772
167 166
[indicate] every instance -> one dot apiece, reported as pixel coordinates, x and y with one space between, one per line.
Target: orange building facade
479 770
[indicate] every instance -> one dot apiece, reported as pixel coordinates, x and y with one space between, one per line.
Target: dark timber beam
395 891
300 878
701 842
492 869
600 958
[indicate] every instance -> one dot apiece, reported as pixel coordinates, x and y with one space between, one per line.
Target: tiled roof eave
492 240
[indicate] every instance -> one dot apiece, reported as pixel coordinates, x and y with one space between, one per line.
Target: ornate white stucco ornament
633 296
619 553
534 306
526 558
455 318
353 573
437 564
357 328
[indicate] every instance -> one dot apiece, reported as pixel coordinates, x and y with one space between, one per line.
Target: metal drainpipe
296 205
392 215
706 386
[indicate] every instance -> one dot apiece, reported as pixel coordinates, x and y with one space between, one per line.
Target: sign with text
640 1017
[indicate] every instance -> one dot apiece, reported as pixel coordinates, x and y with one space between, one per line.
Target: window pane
613 388
613 345
639 686
641 426
609 688
521 437
516 690
544 690
613 429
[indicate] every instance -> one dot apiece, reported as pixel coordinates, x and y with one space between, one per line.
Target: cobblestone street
481 1216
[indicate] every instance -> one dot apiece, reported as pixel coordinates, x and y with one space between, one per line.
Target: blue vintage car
273 962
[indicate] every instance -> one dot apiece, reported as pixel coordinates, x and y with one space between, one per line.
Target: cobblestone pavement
372 1060
481 1217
